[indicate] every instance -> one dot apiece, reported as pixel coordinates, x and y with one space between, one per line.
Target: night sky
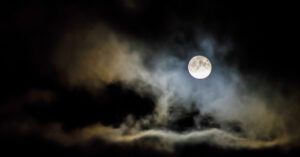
110 78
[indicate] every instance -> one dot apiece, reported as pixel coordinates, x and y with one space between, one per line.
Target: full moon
199 67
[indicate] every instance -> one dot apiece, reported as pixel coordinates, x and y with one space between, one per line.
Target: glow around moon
199 67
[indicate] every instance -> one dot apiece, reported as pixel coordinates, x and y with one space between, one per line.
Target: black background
265 37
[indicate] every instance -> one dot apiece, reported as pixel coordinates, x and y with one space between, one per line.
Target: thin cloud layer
165 140
95 56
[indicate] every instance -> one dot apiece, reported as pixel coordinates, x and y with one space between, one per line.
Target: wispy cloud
94 57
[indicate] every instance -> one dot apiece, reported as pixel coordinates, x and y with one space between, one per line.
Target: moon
199 67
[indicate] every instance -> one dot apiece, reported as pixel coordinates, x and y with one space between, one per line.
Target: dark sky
265 45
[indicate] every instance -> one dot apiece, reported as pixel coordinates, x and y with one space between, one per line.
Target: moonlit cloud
158 139
94 57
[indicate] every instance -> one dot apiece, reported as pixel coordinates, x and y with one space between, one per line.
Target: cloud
95 56
165 140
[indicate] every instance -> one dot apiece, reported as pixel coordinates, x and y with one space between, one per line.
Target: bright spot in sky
199 67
